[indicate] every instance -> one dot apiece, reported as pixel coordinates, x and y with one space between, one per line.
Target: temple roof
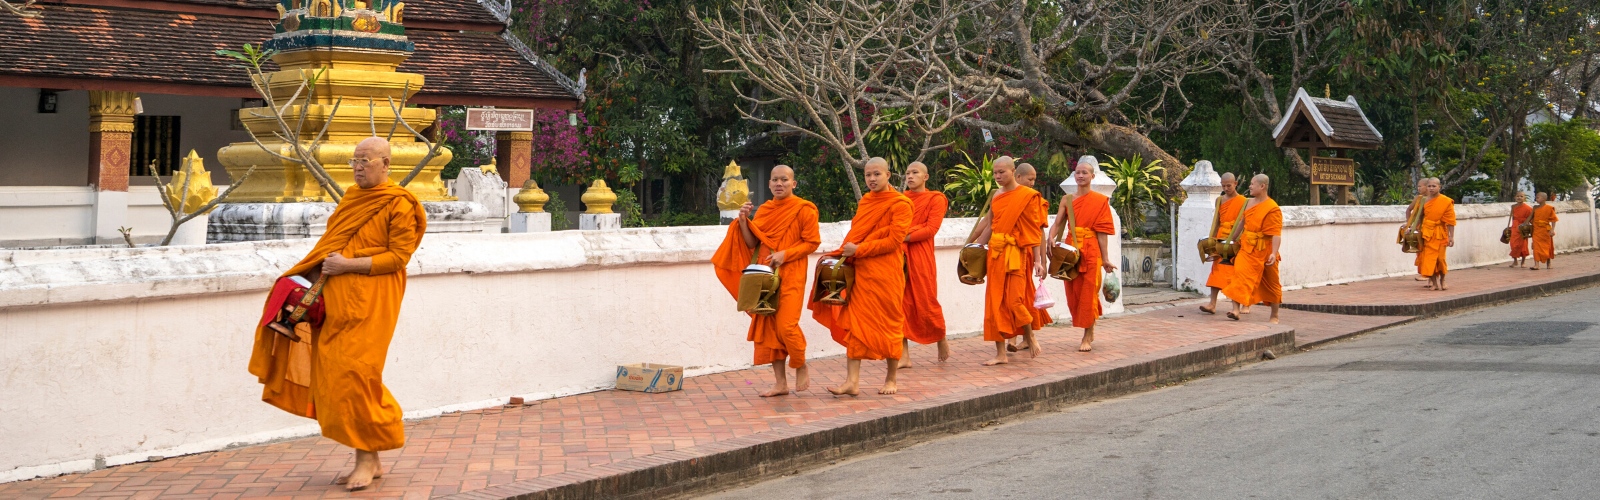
172 50
1325 123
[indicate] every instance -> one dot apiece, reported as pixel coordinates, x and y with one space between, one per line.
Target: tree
1562 155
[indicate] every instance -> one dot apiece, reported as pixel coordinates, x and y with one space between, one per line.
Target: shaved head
1259 185
1008 162
877 174
1228 177
370 162
1025 169
781 182
1005 172
783 169
1230 184
916 176
1026 175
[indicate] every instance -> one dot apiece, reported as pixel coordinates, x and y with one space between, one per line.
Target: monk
924 317
1438 233
785 229
1255 269
1091 222
1015 258
1422 189
335 375
1520 213
872 325
1027 176
1227 214
1544 235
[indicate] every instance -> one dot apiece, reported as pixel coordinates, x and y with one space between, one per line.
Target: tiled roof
1342 122
178 48
452 11
1348 124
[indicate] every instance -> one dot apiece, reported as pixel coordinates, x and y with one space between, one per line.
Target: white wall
43 149
128 353
34 216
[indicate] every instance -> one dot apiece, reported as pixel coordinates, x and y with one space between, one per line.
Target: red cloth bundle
288 294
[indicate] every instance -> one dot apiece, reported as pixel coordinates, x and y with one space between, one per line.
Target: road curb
1430 309
774 453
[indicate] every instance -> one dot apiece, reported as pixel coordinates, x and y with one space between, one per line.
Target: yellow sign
1335 171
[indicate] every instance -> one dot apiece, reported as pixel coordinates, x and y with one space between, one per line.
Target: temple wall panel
43 149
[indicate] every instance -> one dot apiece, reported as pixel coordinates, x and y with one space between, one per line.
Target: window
155 139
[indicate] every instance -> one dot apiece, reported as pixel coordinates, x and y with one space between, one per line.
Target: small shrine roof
1337 124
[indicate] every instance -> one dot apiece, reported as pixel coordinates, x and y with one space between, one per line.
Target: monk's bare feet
1085 346
905 363
944 351
802 379
889 387
776 391
1233 316
1208 310
998 360
367 468
1443 287
1244 310
1010 347
850 390
1534 268
1274 320
1034 349
1422 278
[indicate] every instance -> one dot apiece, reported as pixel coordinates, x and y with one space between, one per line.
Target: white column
1202 186
1103 184
110 213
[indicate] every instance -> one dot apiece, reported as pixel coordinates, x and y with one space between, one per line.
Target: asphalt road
1495 403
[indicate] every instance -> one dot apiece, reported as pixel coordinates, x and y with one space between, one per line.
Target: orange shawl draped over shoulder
1091 216
788 225
1015 217
1544 241
924 316
1227 214
1519 214
1253 280
872 325
1437 214
345 391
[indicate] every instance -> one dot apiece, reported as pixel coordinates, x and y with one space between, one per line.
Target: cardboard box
649 377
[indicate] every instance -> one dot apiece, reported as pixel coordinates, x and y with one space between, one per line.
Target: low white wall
128 353
1339 244
37 216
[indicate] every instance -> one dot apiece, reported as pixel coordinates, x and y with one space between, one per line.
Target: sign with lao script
1335 171
517 120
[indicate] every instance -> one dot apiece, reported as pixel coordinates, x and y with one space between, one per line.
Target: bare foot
1444 287
845 391
1274 320
1534 268
1422 278
776 391
1233 316
944 351
366 469
888 388
1244 310
1012 347
802 379
1085 347
1034 349
998 360
1208 310
905 363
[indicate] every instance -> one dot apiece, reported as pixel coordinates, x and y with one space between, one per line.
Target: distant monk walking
1438 233
872 324
1227 214
1422 192
785 230
1027 176
1091 222
1544 231
924 316
1255 269
336 374
1015 257
1520 213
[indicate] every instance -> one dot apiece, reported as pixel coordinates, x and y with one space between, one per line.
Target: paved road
1496 403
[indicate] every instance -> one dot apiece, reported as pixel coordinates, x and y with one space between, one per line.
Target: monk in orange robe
1090 223
1227 214
1544 235
924 316
335 374
1255 269
1422 190
1015 258
785 229
1027 176
1438 233
1520 213
872 324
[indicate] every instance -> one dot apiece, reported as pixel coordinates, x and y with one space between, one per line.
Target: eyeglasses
362 161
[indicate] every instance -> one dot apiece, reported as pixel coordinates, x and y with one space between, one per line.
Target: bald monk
1438 233
1015 257
1027 176
369 241
1227 214
1544 235
785 231
872 325
1422 190
1520 212
924 317
1091 222
1255 269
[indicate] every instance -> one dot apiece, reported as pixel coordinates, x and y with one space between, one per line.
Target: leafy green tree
1562 155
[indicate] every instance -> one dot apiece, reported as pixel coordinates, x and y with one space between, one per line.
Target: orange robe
788 225
1041 317
1227 214
872 324
924 316
1014 222
1253 280
345 391
1519 245
1544 242
1091 216
1437 215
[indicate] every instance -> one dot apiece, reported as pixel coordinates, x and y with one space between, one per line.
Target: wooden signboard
515 120
1335 171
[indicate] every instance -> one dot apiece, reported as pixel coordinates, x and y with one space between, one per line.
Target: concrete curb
769 454
1430 309
1342 336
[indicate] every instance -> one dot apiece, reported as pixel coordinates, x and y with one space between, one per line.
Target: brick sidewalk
1469 287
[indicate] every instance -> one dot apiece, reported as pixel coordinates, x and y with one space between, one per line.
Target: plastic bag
1041 295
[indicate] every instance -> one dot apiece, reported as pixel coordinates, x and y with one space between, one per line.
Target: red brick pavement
1310 328
1405 295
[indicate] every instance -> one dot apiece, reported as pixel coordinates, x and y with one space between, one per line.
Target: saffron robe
924 316
788 225
1227 214
345 393
1544 242
872 325
1519 214
1091 216
1041 317
1015 217
1253 280
1437 215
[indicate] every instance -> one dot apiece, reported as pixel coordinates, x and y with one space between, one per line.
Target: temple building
98 96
